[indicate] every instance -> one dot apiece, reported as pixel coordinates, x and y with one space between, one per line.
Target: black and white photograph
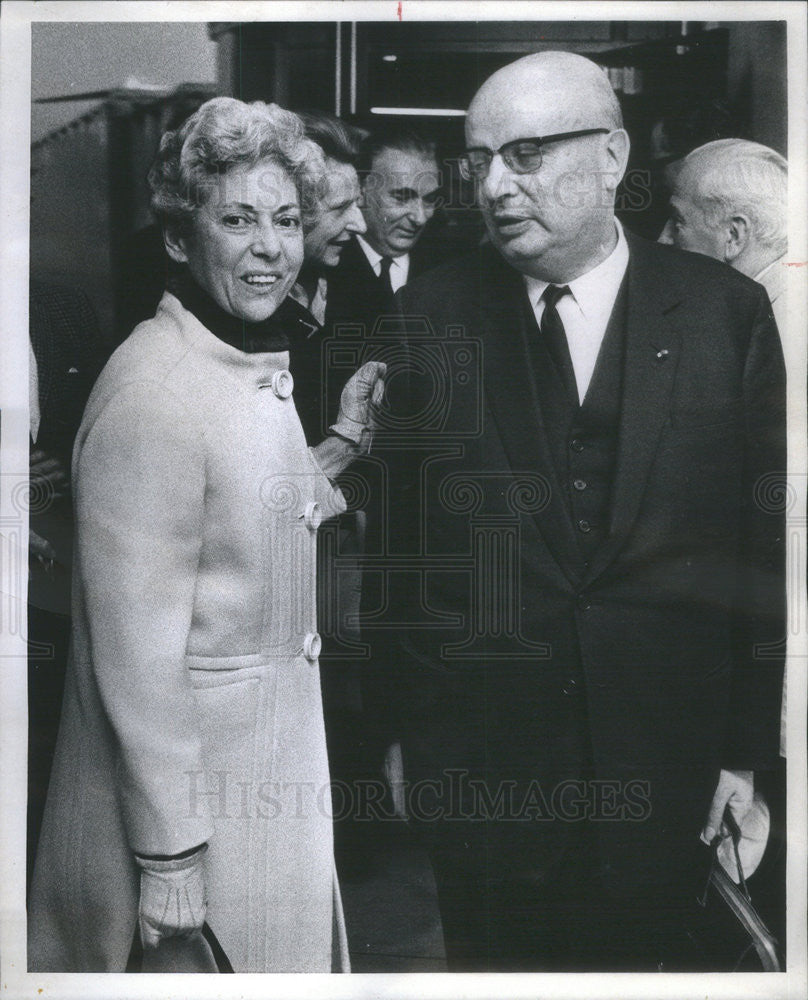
403 499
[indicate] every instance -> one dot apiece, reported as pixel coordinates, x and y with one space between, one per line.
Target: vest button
282 384
583 602
312 516
584 525
577 444
569 687
579 484
312 645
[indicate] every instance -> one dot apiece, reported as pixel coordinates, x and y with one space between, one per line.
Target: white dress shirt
399 266
586 310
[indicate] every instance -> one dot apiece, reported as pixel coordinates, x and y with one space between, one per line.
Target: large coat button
312 645
282 384
312 516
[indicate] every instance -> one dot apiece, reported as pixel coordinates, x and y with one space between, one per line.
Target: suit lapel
653 343
358 264
354 293
422 258
510 390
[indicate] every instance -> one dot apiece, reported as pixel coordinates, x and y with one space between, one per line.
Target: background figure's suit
192 710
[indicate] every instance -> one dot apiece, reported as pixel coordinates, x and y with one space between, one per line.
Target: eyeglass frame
540 140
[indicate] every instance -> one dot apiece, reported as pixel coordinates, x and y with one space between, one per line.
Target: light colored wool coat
192 710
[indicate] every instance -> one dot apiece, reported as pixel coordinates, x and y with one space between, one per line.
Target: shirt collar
595 288
769 268
374 257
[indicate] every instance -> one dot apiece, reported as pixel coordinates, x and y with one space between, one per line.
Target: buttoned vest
583 438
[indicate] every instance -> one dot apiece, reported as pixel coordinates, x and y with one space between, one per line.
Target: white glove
362 392
736 789
172 897
754 837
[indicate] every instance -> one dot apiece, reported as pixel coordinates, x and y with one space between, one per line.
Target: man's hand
362 393
736 789
393 768
49 472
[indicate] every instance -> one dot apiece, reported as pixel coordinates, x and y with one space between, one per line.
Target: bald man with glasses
590 668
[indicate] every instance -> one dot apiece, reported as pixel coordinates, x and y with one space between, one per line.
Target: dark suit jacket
354 292
355 302
676 624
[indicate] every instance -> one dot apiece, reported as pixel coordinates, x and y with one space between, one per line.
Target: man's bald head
554 220
562 86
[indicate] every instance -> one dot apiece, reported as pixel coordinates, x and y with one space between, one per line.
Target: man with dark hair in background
400 182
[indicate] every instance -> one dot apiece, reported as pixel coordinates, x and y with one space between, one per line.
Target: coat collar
260 367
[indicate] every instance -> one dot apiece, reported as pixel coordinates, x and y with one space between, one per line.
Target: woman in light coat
191 780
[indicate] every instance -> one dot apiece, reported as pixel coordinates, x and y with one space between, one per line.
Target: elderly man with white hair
730 201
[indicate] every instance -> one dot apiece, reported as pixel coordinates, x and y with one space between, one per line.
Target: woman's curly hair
221 134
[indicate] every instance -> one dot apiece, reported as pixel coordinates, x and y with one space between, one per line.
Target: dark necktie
384 277
552 331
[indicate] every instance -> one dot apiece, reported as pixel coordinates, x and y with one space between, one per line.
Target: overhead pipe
353 67
338 72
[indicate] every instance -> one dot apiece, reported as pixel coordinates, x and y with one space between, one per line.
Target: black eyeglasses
522 156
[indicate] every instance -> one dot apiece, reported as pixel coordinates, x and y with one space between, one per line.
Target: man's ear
739 232
617 149
175 244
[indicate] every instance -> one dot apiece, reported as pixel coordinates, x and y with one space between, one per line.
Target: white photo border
15 74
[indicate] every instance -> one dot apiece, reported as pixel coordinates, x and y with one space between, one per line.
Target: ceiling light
439 112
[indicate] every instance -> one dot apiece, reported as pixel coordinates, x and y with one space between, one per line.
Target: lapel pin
662 355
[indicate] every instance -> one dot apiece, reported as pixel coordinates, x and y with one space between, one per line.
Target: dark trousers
351 768
563 919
